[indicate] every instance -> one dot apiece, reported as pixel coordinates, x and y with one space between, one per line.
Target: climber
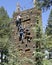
20 27
27 35
18 21
21 33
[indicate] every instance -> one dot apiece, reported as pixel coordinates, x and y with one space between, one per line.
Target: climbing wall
28 21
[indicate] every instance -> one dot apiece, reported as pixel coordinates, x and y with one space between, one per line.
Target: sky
10 6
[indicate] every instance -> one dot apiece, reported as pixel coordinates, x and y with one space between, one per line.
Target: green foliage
47 62
3 13
37 5
4 25
5 31
49 26
43 4
25 59
38 42
48 31
39 57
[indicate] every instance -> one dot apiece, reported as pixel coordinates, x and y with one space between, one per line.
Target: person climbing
21 33
27 35
18 21
20 27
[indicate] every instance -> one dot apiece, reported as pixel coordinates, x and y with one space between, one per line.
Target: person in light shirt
18 21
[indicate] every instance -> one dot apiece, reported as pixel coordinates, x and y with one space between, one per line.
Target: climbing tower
28 21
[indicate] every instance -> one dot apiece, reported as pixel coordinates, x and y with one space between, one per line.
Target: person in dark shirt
21 33
27 35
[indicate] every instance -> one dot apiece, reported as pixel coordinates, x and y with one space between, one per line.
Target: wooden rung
20 49
27 49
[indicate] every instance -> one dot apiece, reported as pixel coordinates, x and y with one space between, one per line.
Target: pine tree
49 31
39 54
43 4
49 26
4 34
38 40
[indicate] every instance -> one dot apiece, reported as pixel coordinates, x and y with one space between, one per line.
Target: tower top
18 7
